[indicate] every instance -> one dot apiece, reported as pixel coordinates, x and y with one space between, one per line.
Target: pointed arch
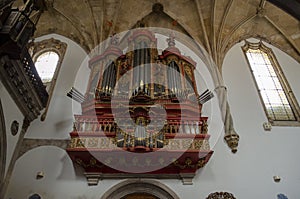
147 186
167 18
3 144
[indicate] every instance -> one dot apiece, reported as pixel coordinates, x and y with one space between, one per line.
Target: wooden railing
150 136
18 72
34 78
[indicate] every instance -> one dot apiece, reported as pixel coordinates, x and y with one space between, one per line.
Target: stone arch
3 144
166 19
38 162
147 186
30 144
35 196
39 166
221 195
34 146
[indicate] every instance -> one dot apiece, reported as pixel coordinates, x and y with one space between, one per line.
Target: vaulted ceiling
290 6
215 24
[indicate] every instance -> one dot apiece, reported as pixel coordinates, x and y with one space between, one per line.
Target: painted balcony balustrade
92 125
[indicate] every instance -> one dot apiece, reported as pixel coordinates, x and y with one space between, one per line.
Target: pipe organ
137 104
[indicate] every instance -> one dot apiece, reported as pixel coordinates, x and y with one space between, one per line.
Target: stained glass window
46 64
266 73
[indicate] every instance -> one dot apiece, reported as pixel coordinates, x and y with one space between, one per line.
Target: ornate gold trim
110 143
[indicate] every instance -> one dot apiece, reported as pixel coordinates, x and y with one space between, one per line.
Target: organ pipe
104 81
142 72
109 79
169 80
174 78
113 78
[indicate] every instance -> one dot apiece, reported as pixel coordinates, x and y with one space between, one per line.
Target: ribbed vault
215 24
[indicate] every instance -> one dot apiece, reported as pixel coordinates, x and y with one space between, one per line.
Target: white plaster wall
261 155
247 174
60 180
11 112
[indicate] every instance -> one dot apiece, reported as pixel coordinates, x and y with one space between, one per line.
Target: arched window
47 56
46 64
279 102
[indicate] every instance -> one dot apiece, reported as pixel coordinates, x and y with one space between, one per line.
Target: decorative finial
232 140
171 39
114 39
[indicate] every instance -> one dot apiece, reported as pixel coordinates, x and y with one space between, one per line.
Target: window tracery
276 95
